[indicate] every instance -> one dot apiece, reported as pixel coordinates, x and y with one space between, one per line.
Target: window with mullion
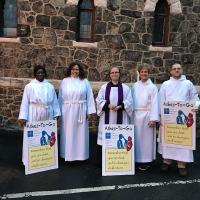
161 24
8 18
86 21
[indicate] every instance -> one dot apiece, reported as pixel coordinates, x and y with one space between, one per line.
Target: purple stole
120 100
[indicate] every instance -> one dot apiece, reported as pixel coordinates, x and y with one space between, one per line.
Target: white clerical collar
182 78
36 81
145 83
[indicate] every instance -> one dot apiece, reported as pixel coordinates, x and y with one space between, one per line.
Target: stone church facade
122 37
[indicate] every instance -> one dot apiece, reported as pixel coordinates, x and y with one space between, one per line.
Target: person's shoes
143 167
164 167
182 172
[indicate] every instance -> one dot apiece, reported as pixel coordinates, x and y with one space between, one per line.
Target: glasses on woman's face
176 68
114 72
75 69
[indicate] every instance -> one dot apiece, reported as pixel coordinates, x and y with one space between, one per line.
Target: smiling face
40 75
176 71
144 74
75 71
114 74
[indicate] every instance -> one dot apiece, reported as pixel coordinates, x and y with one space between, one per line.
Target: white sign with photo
118 150
40 141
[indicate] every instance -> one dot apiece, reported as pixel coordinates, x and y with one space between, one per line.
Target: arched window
86 17
8 18
161 24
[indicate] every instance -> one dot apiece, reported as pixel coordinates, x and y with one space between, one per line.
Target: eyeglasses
75 69
178 68
114 72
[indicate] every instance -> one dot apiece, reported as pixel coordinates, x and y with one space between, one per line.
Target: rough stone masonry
122 37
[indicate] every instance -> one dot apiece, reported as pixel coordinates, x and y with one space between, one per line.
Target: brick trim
175 6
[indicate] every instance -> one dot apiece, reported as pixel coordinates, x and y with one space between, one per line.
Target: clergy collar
147 82
182 78
115 85
36 81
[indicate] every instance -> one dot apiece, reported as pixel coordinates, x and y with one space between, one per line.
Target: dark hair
81 71
38 67
144 65
176 64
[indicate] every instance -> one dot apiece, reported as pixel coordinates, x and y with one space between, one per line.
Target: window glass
161 24
85 4
8 25
158 29
85 24
86 20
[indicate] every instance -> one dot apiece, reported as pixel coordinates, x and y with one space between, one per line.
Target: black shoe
182 172
164 167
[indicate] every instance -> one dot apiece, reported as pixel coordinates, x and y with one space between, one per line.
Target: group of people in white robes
75 102
116 103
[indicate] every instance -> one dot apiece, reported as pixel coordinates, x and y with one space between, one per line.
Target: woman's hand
56 118
117 108
111 107
22 122
152 124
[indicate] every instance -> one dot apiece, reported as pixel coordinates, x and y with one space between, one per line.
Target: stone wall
123 34
47 32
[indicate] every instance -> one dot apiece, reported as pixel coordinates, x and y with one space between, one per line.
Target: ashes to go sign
179 124
118 150
40 144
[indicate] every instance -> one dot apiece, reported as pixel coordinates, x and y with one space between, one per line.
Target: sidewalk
83 174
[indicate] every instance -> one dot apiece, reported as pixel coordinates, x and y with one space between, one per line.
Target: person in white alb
145 109
76 102
114 105
39 102
177 88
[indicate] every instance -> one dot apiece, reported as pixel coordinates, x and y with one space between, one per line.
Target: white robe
177 90
145 106
76 102
100 100
39 103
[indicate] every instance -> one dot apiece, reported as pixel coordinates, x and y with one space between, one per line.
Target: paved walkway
83 180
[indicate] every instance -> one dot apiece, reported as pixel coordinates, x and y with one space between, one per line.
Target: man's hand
195 110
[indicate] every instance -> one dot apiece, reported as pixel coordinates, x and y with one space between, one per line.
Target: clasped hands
114 108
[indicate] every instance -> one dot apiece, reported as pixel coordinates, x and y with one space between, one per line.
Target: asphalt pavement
83 180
